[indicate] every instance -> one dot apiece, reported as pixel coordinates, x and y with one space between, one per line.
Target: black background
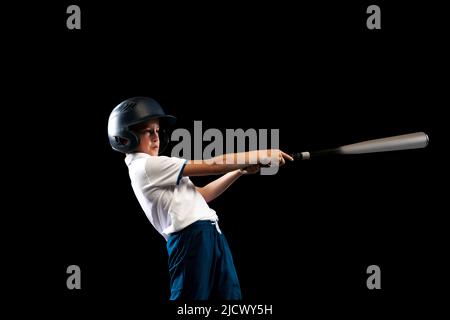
302 239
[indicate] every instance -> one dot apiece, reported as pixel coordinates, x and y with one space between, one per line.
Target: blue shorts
200 264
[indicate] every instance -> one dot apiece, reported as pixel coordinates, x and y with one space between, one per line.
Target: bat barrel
415 140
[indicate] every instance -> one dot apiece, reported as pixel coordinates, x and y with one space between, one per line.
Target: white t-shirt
169 200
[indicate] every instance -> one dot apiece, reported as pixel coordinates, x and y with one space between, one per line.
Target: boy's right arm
233 161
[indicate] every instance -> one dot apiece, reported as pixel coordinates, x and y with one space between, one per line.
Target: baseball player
200 261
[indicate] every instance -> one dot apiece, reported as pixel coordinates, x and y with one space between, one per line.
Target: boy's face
149 137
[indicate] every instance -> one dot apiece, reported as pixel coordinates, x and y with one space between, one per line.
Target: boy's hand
267 157
252 169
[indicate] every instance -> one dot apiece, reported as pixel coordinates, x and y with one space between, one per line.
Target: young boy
200 262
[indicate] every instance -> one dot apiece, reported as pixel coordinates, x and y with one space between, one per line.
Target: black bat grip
314 154
298 156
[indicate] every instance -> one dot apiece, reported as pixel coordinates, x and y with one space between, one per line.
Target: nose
155 136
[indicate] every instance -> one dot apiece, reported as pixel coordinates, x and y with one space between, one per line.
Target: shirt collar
134 156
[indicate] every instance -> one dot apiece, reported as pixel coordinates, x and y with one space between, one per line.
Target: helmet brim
169 120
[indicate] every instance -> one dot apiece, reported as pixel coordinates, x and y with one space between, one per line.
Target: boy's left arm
215 188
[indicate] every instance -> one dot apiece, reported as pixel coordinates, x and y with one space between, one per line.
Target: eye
152 131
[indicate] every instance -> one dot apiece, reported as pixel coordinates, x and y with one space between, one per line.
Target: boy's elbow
203 193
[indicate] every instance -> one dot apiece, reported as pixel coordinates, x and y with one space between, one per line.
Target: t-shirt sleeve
164 171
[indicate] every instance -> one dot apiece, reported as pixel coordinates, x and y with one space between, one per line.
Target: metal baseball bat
415 140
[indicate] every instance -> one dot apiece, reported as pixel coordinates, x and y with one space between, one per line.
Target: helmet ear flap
126 142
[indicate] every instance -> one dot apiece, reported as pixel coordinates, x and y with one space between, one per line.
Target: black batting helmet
131 112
